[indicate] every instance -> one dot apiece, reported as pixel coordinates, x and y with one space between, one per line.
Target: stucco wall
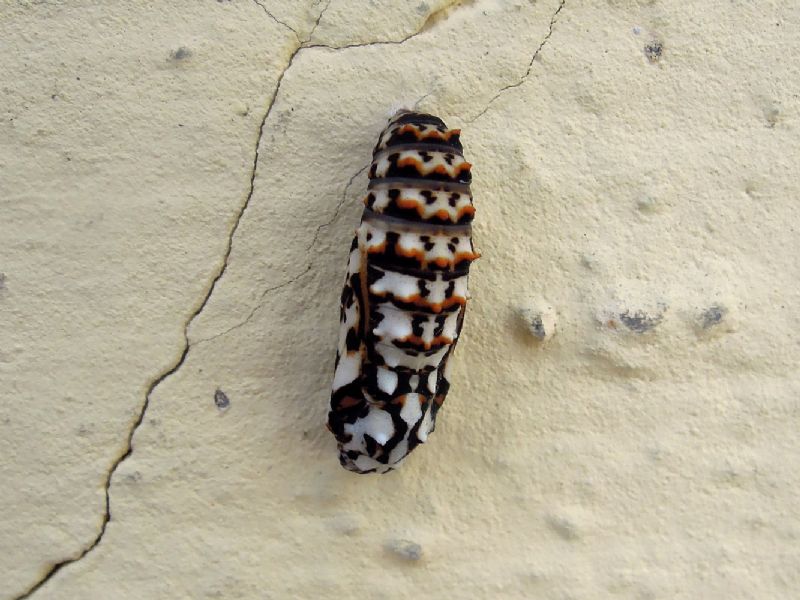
179 182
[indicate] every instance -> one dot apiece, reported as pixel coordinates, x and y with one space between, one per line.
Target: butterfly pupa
404 296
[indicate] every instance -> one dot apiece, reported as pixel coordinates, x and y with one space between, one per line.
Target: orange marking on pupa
441 261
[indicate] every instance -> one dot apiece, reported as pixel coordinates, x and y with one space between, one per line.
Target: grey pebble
404 549
639 321
565 528
653 50
181 53
221 400
711 316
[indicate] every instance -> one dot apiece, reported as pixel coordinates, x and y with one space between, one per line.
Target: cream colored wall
179 182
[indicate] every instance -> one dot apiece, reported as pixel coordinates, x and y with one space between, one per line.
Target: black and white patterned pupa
404 295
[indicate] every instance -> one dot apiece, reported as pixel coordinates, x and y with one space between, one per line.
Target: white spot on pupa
432 378
398 452
387 380
377 424
354 262
365 463
347 370
411 411
425 426
395 324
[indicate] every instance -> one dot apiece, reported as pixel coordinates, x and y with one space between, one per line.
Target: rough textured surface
179 182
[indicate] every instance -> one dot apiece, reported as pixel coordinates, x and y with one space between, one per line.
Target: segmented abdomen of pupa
404 296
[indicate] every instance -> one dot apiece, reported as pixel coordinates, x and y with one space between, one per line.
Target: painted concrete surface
179 183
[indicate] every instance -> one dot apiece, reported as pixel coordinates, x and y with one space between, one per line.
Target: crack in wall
528 70
316 23
128 451
294 279
114 466
337 209
256 308
292 29
278 21
433 18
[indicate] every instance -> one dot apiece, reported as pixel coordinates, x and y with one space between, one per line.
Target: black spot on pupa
423 289
352 342
416 324
392 238
440 322
371 444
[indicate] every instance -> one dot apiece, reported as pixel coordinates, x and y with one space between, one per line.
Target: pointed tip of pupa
398 108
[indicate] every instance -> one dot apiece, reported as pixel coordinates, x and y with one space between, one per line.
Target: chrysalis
404 295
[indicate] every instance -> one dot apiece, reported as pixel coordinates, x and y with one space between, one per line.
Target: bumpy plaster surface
179 186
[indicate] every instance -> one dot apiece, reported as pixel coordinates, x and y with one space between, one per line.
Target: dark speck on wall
712 316
181 53
771 116
639 321
404 549
537 327
221 400
653 50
